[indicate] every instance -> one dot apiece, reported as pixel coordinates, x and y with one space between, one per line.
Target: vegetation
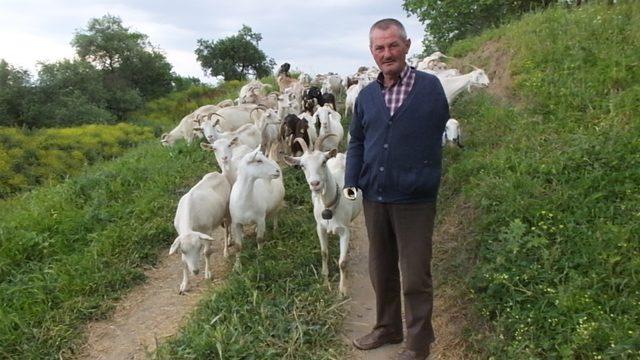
235 57
448 21
70 250
31 158
116 72
278 307
554 179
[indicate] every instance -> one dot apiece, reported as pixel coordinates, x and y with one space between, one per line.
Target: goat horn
321 139
216 114
251 112
303 144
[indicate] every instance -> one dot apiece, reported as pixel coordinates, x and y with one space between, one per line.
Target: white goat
200 211
226 103
332 84
312 131
333 212
285 106
452 133
269 125
454 85
257 194
247 134
252 92
305 79
329 124
352 95
429 62
233 117
228 153
184 130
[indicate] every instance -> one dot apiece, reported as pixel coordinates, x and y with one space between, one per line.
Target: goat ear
175 246
206 146
293 161
331 153
205 237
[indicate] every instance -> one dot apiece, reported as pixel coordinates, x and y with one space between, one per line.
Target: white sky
315 37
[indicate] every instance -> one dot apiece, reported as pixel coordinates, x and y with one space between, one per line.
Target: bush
37 157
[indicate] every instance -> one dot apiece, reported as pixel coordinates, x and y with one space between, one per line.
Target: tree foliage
116 72
14 89
451 20
126 55
235 57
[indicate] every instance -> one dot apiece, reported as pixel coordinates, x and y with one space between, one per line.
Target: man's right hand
350 193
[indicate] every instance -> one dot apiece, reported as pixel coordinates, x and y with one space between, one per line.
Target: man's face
389 50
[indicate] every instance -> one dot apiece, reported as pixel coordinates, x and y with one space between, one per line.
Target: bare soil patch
153 311
452 306
495 59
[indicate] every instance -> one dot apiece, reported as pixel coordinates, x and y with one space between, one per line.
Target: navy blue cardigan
398 159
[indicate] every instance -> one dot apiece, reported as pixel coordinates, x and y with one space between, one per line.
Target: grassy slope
555 181
277 308
67 251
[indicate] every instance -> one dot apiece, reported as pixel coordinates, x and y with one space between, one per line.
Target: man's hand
350 193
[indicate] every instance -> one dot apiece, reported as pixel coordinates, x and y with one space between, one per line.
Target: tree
451 20
234 57
15 88
124 54
106 43
68 93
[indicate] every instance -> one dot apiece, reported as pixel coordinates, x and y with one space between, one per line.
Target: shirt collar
403 75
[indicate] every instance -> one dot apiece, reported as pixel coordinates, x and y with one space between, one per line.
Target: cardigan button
381 168
386 146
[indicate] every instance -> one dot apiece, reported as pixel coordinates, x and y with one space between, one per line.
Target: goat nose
196 271
314 183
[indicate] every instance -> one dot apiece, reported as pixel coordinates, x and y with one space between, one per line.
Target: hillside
551 171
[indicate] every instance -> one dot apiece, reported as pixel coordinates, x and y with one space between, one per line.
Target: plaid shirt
396 93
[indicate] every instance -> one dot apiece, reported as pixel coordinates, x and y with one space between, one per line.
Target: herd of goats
298 125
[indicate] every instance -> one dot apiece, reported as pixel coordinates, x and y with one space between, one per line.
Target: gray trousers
401 234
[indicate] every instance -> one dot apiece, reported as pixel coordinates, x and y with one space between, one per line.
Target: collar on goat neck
335 201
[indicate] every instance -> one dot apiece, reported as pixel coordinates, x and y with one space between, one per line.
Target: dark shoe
375 339
407 354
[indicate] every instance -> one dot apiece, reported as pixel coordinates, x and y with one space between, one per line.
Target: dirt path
152 312
449 310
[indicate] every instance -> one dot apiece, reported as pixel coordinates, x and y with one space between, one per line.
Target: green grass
555 180
68 251
277 308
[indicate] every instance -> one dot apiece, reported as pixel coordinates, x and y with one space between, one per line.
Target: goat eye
259 161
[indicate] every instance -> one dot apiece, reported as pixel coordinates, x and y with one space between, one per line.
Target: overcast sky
313 36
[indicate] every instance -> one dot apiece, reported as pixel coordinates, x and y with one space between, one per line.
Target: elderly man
394 157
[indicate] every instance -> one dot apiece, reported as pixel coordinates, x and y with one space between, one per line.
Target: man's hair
385 24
